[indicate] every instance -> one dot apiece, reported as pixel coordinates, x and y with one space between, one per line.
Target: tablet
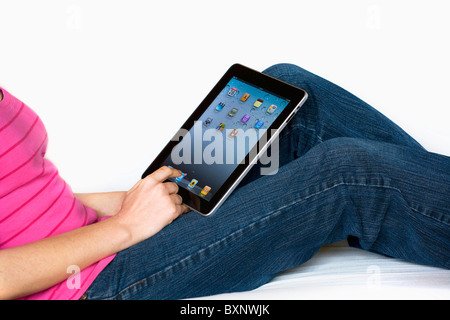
225 136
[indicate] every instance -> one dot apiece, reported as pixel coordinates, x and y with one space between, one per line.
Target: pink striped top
35 202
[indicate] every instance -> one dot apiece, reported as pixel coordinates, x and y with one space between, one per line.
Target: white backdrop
113 80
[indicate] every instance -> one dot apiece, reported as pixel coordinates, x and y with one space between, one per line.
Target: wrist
122 232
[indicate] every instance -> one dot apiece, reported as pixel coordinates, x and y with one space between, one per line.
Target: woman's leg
332 112
394 199
391 195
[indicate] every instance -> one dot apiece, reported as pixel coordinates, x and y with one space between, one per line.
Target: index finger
164 173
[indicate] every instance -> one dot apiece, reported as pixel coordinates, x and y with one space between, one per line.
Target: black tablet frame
295 95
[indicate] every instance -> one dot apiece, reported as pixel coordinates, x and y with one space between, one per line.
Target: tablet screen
224 134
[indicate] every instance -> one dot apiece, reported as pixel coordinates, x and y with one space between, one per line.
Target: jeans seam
428 216
379 186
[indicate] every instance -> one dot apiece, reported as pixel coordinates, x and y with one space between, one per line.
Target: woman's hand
146 208
151 204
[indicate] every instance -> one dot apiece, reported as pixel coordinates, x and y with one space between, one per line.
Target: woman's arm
39 265
146 209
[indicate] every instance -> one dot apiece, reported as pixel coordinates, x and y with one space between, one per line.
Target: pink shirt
35 202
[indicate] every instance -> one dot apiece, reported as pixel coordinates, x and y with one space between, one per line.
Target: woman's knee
298 77
344 154
282 70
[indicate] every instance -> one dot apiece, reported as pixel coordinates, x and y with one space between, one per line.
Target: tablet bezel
296 96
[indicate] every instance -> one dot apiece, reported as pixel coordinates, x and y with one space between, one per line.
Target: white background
113 80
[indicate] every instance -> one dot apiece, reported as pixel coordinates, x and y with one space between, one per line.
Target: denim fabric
346 172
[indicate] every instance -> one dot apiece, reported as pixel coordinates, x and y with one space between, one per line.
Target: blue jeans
346 172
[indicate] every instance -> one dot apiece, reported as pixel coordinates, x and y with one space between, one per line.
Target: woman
346 172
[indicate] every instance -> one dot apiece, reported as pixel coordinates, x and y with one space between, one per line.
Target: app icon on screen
220 106
272 109
232 92
205 191
178 179
259 124
221 126
192 183
258 103
233 133
245 97
207 122
232 112
245 118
